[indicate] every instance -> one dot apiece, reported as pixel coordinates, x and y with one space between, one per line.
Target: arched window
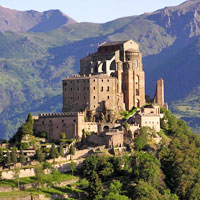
104 67
113 65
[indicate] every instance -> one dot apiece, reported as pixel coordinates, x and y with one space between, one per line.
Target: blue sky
92 10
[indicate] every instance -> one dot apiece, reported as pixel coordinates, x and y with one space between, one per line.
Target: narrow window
94 88
108 97
102 88
108 80
94 97
93 80
102 80
108 88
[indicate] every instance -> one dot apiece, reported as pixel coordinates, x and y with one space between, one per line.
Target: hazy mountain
32 21
32 65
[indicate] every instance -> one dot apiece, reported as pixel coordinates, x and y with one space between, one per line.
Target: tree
1 156
72 167
16 176
8 159
145 167
61 151
39 174
53 152
72 150
63 135
14 156
144 191
22 157
115 187
95 187
39 155
112 196
56 176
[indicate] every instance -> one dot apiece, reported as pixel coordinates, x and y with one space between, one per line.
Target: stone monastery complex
110 80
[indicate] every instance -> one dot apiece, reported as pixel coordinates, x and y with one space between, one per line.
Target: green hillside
32 65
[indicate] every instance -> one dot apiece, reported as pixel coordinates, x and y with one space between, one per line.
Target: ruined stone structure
159 96
110 79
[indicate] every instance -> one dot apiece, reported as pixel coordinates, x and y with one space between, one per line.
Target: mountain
32 21
33 64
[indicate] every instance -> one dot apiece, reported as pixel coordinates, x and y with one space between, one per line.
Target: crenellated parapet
62 114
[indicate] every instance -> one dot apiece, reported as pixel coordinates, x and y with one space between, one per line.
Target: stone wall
62 167
54 124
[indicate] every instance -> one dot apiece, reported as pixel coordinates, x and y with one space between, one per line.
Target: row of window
51 121
94 88
108 97
150 122
87 81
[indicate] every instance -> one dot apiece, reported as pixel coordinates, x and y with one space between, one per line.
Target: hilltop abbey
110 80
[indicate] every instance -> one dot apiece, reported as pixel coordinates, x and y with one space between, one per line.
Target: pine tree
95 187
14 156
72 150
1 156
72 167
22 157
54 152
40 155
8 159
61 151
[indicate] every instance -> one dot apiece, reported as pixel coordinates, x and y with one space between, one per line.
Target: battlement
62 114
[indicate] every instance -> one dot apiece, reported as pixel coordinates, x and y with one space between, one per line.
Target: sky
98 11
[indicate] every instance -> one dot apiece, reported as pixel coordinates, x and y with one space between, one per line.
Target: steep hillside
32 21
32 65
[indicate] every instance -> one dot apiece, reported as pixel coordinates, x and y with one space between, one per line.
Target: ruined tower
159 96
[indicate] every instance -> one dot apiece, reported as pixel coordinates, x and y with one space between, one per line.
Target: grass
130 113
14 194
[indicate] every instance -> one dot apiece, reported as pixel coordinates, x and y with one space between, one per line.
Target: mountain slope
33 21
32 65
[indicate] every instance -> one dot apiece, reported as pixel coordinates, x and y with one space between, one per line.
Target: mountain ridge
35 63
32 21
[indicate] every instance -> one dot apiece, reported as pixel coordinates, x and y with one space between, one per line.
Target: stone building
149 116
111 78
72 124
113 75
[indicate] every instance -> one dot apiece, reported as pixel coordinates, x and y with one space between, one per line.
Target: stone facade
54 124
149 116
110 79
91 92
112 76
